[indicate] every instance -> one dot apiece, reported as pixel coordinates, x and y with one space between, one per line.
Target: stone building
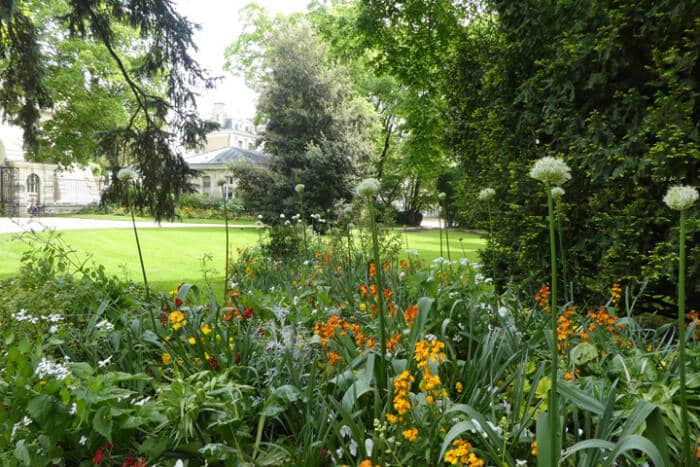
235 142
234 132
214 168
37 188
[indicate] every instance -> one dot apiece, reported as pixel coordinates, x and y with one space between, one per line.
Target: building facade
32 188
214 178
234 132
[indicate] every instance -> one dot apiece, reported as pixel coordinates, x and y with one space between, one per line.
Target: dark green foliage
613 88
313 130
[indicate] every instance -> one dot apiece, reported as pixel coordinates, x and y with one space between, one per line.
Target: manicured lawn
175 255
184 220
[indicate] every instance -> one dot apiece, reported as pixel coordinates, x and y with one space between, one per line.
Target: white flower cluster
487 194
551 171
105 326
53 318
368 187
300 188
48 368
318 218
681 197
557 192
126 174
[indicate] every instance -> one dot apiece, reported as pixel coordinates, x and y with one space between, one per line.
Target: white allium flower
260 216
126 174
681 197
282 216
442 195
83 440
551 171
300 188
221 182
368 187
557 192
487 194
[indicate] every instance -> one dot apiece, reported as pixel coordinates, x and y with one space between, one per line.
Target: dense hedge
611 86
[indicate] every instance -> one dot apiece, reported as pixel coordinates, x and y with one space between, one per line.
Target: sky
220 25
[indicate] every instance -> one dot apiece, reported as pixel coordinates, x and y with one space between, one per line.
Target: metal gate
9 201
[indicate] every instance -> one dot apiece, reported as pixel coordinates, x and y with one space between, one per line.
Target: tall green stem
553 404
493 252
447 240
687 455
382 383
440 228
562 252
138 245
228 259
303 224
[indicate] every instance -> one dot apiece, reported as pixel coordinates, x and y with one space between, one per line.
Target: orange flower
410 315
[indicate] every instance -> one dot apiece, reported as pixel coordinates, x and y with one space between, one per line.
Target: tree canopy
161 119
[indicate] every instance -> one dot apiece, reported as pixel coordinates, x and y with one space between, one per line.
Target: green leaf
544 446
21 452
580 398
102 423
583 353
656 433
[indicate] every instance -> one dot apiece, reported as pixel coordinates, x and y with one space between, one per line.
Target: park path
26 224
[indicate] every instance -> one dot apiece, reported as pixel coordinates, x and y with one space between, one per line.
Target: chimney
218 113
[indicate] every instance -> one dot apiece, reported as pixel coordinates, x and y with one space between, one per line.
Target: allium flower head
551 171
487 194
441 195
126 174
557 192
221 182
681 197
368 187
300 188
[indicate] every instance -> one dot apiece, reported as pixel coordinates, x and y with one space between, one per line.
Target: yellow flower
459 387
533 448
410 434
363 307
192 340
177 318
430 400
166 358
392 418
205 329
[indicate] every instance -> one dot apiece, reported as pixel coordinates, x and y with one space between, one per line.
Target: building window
33 185
240 143
251 145
206 184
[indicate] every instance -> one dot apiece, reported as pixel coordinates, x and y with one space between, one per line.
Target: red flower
247 312
261 331
214 363
178 302
324 452
98 457
238 358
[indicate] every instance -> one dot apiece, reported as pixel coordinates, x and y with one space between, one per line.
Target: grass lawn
174 255
184 220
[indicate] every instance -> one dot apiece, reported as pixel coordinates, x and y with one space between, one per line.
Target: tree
158 122
314 124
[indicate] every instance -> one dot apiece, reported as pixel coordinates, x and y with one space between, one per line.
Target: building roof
226 156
